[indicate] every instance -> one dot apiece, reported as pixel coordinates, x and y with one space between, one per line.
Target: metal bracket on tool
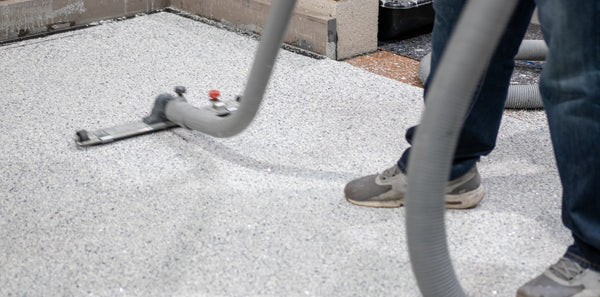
221 119
222 108
156 121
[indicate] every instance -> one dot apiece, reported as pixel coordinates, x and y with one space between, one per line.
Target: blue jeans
570 88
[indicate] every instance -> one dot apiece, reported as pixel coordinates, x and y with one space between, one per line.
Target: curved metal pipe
463 63
205 121
519 96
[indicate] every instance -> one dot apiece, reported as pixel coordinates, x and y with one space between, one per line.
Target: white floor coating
178 213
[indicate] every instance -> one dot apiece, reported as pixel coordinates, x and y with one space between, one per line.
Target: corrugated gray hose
462 65
188 116
519 96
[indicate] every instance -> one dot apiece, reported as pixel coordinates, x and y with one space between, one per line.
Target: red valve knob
214 94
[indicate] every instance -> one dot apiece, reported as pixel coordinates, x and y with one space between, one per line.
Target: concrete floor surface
179 213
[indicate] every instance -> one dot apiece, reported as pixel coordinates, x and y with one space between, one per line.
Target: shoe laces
566 269
390 172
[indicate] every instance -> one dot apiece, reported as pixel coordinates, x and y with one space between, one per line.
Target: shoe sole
460 201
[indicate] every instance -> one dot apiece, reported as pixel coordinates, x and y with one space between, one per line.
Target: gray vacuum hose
470 49
188 116
519 96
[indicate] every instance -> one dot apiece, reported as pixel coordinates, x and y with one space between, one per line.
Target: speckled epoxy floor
179 213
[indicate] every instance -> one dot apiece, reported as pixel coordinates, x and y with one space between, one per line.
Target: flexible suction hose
519 96
188 116
464 61
535 50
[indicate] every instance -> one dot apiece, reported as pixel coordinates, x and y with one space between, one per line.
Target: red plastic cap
214 94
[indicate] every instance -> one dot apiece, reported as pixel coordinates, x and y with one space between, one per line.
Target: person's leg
570 88
478 136
464 190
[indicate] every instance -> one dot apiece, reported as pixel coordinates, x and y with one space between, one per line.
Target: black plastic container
400 19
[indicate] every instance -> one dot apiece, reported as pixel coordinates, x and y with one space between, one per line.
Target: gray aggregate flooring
178 213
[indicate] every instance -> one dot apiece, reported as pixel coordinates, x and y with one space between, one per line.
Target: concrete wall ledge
24 18
338 29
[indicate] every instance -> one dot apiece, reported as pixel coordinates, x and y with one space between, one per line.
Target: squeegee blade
102 136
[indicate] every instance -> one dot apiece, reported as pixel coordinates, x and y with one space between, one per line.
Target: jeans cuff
585 264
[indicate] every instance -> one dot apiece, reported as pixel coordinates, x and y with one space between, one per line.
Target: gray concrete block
357 27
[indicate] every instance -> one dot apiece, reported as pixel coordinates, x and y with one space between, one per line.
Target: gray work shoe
563 279
387 190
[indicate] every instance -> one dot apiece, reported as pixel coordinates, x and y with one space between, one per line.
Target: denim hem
582 261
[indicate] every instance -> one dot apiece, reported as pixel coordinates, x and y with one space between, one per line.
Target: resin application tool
220 118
